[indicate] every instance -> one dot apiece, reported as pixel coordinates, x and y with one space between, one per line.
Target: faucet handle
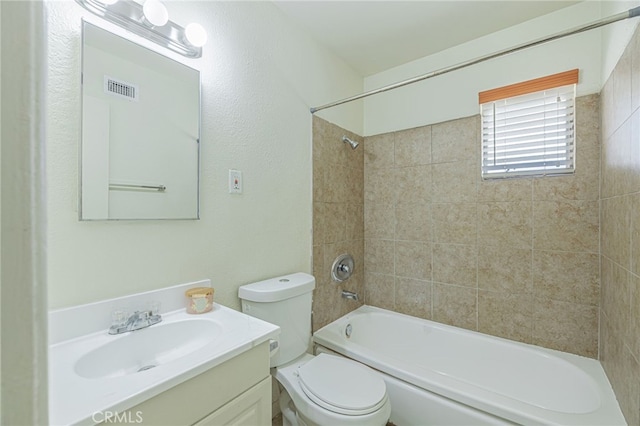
119 317
153 306
344 268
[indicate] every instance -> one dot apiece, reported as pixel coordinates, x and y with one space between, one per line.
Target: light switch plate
235 181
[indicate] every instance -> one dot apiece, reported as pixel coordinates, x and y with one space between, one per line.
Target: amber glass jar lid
199 291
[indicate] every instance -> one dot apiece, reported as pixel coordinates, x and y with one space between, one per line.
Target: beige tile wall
513 258
521 259
620 234
338 218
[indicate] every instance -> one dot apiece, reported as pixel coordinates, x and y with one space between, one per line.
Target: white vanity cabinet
236 392
253 407
211 368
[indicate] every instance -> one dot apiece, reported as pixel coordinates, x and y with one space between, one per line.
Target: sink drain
146 367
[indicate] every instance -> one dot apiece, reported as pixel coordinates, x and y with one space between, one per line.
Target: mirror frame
84 26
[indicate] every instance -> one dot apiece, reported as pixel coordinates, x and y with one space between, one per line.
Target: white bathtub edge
607 414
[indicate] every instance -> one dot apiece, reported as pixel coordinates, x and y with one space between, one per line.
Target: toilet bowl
329 390
323 390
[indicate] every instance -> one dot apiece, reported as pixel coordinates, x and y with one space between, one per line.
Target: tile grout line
478 183
531 283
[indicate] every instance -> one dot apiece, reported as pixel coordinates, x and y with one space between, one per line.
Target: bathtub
442 375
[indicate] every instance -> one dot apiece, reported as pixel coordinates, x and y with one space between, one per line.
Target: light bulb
196 34
155 13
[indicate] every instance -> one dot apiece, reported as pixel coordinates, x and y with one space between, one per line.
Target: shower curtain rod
631 13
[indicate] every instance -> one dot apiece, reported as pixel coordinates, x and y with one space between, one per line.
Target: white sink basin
142 350
96 372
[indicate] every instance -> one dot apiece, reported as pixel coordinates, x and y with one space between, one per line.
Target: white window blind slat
507 143
529 169
562 149
535 97
542 158
533 164
527 110
531 134
540 122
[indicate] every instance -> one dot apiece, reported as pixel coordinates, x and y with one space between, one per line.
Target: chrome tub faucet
349 295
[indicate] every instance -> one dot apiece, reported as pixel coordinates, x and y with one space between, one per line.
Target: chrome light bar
129 15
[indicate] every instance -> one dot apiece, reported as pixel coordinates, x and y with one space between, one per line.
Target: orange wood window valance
535 85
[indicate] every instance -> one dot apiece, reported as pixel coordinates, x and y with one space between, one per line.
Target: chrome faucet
349 295
136 321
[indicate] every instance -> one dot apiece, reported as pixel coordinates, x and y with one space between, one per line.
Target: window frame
533 131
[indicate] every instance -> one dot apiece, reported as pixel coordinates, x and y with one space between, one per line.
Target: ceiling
372 36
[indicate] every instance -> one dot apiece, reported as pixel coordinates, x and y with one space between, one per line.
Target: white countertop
74 399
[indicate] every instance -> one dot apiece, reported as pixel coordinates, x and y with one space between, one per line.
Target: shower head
353 143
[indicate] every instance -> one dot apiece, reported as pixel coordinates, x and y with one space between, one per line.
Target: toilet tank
286 302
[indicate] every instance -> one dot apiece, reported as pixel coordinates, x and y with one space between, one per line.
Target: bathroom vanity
205 369
236 392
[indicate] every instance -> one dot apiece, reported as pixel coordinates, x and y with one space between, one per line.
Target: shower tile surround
514 258
338 219
550 261
620 230
441 244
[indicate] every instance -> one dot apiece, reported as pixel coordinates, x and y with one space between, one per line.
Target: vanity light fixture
195 34
150 21
155 13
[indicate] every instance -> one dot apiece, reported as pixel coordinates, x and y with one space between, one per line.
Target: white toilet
322 390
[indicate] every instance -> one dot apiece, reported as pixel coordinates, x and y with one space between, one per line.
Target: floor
277 421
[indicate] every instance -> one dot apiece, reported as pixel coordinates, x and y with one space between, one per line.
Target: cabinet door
192 400
253 407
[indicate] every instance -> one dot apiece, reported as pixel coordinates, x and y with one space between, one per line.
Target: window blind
529 135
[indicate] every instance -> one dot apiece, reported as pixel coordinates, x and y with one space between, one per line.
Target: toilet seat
341 385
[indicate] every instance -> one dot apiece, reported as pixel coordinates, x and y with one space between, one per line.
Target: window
528 129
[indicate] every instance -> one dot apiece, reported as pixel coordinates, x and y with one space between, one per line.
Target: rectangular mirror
140 132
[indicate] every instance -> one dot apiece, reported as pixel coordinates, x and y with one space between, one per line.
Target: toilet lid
341 385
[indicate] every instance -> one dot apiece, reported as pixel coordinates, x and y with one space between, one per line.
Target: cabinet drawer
251 408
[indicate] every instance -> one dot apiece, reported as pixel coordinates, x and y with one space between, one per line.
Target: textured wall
615 38
24 282
454 95
338 214
620 234
514 258
255 118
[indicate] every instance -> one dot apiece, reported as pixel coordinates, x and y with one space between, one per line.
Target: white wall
260 75
455 95
0 215
616 37
24 325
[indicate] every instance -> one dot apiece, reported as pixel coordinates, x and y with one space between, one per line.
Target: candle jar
199 300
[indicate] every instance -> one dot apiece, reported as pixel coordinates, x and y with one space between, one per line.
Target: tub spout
349 295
